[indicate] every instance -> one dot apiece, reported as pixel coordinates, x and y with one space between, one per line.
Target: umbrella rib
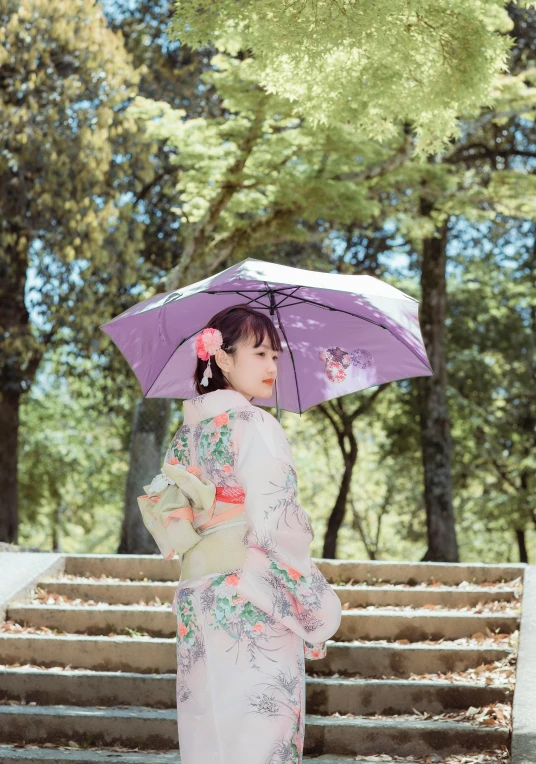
291 357
254 299
253 289
288 296
243 293
279 304
300 300
340 310
319 288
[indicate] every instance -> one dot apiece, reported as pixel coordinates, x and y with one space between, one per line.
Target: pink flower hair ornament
206 344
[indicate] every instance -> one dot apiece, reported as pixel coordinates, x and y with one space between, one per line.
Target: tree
342 417
478 179
258 176
493 372
170 71
370 65
63 77
73 457
261 177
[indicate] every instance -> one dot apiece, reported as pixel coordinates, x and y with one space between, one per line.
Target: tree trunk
9 427
149 434
20 355
337 515
436 444
56 528
521 545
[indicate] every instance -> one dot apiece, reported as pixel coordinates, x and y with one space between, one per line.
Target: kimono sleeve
278 575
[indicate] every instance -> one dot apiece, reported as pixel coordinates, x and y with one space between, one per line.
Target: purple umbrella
340 334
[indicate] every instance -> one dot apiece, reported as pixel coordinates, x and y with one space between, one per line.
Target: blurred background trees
168 155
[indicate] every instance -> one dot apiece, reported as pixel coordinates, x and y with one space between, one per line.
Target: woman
250 603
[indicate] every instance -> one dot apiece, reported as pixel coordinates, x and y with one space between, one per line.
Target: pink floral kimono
245 627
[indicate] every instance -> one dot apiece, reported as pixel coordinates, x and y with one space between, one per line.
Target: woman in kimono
250 604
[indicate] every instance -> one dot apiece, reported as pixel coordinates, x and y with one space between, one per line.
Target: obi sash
231 495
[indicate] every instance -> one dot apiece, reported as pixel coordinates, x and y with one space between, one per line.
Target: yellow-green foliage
73 460
291 173
64 76
370 64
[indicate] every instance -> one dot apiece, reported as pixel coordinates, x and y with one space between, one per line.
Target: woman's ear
222 359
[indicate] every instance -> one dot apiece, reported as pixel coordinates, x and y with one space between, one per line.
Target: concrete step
414 573
419 625
374 713
360 736
141 654
416 625
157 729
155 568
12 753
33 753
363 697
132 592
131 567
377 660
152 655
119 619
419 596
114 593
324 695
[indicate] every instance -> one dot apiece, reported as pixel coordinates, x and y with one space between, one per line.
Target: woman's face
251 371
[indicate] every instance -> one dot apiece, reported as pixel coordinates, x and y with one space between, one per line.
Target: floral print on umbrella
337 360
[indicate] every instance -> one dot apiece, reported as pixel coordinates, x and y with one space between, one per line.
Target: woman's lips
268 381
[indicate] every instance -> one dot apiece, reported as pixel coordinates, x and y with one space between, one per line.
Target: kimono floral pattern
245 624
314 652
179 449
282 695
189 639
305 589
213 619
243 634
215 447
279 575
247 448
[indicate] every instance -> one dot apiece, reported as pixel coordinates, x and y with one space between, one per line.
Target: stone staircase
423 664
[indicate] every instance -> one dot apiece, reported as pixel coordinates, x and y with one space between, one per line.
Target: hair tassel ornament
206 344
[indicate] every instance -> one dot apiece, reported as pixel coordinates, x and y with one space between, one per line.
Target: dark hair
236 323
